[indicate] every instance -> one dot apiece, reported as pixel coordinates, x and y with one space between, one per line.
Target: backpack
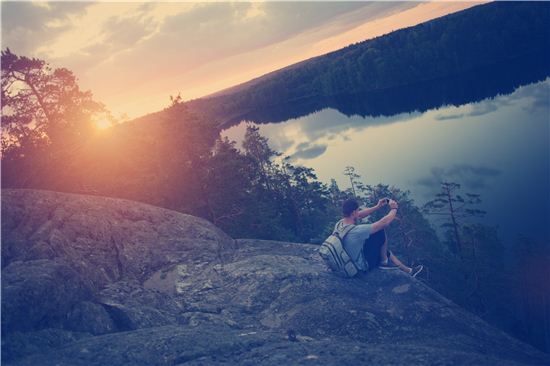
333 253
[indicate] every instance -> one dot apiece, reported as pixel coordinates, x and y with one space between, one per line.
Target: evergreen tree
353 177
455 209
227 188
481 261
45 119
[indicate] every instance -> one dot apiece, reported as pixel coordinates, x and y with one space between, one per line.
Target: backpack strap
342 230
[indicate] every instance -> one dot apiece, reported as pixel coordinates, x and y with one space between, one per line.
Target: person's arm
367 211
386 220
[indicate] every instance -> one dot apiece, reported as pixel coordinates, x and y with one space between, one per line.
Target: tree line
493 35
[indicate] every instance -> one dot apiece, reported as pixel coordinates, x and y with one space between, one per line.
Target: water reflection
466 87
497 147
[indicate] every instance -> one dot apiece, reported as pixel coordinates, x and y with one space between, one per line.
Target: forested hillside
483 37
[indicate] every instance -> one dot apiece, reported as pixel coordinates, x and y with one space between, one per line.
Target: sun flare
103 124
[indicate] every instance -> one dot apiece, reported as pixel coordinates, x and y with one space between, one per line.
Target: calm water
497 147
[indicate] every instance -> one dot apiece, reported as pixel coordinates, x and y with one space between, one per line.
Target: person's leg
371 248
376 253
385 254
384 249
399 264
413 271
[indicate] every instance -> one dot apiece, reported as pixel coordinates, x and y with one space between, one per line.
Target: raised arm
386 220
367 211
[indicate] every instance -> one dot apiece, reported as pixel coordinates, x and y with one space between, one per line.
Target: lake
497 147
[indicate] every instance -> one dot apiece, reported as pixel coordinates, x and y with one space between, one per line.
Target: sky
133 56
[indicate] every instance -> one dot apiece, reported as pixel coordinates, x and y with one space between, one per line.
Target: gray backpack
333 253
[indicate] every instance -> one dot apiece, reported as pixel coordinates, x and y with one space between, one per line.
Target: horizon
98 40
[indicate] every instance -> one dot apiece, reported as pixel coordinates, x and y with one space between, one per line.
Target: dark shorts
371 248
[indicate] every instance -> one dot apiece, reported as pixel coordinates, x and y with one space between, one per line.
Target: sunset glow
133 56
102 124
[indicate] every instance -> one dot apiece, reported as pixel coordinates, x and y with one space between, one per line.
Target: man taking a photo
367 244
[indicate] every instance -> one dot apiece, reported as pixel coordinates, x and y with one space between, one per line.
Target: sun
103 124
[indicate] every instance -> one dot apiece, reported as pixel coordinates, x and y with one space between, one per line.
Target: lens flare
103 124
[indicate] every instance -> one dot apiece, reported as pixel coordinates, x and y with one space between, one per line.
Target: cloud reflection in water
496 147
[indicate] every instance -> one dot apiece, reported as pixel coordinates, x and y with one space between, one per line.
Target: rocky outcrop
96 281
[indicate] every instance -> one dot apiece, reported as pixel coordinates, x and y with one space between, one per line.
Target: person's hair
349 206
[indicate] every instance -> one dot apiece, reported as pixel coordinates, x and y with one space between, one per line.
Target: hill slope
94 281
512 37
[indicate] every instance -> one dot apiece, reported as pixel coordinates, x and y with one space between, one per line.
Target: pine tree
455 209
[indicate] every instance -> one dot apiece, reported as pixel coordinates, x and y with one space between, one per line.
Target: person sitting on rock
367 244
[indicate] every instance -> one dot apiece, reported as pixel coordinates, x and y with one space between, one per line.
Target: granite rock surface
100 281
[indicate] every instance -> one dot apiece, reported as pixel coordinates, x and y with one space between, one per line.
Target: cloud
471 110
319 128
37 16
480 108
330 123
485 107
536 96
123 32
539 94
470 176
309 152
450 116
133 55
303 145
212 31
28 25
118 34
200 48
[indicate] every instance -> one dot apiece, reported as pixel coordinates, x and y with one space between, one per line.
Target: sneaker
387 265
416 270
